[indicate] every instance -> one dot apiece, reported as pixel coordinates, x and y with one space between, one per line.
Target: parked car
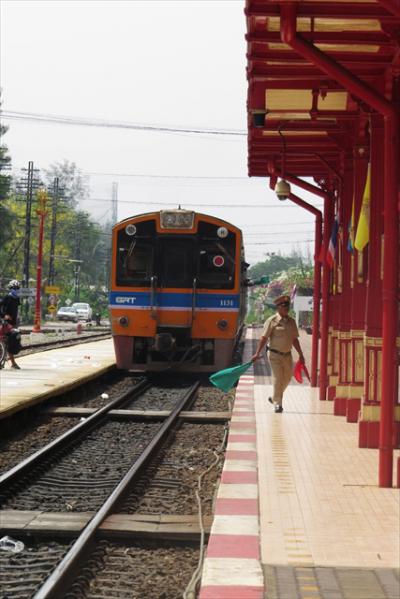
84 311
67 313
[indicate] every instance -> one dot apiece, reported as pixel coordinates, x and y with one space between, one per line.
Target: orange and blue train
178 291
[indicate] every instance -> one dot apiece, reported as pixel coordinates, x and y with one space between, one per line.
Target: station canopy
295 109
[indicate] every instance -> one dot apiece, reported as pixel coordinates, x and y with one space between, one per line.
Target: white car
67 313
83 310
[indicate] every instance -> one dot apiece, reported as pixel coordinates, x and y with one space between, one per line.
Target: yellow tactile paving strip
320 503
49 373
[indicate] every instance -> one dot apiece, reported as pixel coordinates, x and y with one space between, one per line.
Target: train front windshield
176 260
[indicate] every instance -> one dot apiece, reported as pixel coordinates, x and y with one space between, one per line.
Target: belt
281 353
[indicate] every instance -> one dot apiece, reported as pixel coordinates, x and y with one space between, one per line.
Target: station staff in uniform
281 333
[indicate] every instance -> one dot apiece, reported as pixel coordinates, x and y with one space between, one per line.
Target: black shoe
270 400
278 409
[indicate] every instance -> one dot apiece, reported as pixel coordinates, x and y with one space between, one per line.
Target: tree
5 164
5 184
70 181
275 264
285 272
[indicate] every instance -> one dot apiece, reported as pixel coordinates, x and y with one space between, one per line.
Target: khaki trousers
282 370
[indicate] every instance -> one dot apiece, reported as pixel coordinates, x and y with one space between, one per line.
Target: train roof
149 214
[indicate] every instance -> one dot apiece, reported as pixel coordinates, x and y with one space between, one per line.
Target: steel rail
60 579
26 465
65 342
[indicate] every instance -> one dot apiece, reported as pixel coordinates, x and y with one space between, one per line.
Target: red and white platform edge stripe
232 567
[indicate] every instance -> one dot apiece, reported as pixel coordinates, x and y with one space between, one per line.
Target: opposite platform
50 373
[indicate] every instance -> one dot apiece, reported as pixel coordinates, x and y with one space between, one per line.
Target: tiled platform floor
52 372
327 530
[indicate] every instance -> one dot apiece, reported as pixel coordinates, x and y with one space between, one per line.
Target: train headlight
176 219
123 321
222 324
222 232
130 229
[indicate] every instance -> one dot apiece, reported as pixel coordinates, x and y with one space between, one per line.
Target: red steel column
389 301
358 300
369 424
326 276
390 111
317 283
342 264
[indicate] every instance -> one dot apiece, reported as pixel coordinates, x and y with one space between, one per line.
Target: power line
87 122
173 204
106 234
243 226
276 233
278 242
146 176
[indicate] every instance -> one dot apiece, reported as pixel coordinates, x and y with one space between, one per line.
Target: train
178 292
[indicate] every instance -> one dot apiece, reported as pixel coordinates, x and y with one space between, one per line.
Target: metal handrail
194 299
153 284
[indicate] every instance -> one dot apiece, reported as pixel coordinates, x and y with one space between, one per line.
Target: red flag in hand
299 368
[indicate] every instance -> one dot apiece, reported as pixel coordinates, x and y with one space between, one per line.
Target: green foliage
275 264
70 181
81 244
285 273
5 164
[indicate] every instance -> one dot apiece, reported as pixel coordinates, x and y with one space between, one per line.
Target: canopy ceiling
294 107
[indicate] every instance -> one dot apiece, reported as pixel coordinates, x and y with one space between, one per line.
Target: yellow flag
362 235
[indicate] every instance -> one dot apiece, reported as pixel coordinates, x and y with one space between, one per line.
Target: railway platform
49 373
299 513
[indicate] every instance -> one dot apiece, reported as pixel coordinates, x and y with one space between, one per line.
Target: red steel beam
290 36
298 71
350 10
367 38
328 84
329 66
392 6
348 58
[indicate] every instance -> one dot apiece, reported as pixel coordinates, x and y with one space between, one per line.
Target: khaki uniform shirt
281 332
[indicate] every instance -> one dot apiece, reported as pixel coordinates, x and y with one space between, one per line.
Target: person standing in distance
280 331
9 305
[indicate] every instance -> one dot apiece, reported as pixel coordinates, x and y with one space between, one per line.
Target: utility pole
54 206
27 185
31 183
114 204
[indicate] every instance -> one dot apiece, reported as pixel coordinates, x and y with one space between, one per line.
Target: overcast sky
168 63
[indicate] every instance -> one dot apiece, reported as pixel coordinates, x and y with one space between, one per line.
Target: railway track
132 501
54 343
